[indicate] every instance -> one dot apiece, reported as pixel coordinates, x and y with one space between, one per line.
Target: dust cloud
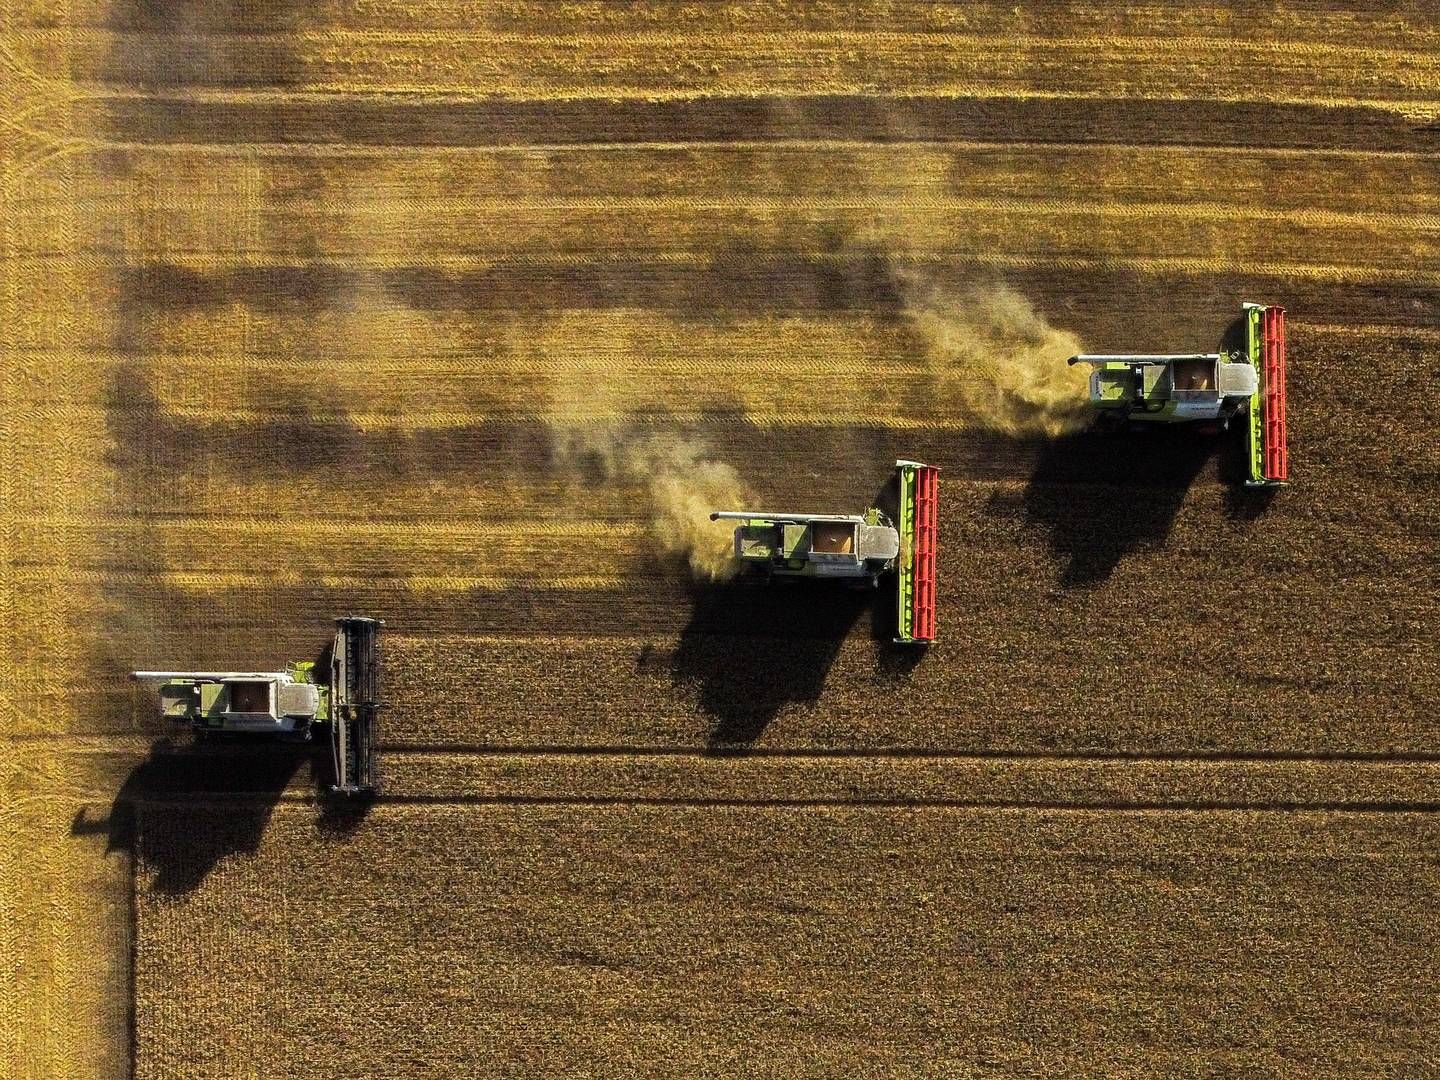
992 357
683 479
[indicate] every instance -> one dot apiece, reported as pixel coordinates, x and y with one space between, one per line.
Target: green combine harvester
1215 387
859 548
289 705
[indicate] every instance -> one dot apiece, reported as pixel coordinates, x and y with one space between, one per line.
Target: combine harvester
288 705
859 548
1213 387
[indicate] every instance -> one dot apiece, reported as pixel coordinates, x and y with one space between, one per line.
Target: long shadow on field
1242 504
152 445
176 43
754 648
186 807
1101 496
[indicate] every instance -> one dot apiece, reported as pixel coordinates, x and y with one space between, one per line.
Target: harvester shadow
187 806
1102 495
893 661
1242 503
754 648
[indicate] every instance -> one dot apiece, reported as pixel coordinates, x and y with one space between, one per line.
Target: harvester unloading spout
858 547
1167 388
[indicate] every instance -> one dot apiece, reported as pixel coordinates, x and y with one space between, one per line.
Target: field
453 314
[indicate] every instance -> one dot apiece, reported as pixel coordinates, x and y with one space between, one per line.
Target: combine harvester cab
288 705
1216 387
860 548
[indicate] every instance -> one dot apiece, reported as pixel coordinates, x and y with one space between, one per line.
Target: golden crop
437 311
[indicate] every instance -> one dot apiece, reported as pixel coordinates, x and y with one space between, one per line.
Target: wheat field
437 311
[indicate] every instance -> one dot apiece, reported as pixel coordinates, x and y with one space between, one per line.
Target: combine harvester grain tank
859 548
1215 387
290 705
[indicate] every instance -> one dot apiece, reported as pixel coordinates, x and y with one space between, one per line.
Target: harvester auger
857 547
290 705
1208 387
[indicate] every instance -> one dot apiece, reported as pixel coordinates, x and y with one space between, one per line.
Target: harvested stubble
662 941
272 354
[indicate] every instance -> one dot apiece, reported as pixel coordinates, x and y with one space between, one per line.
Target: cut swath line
420 421
655 44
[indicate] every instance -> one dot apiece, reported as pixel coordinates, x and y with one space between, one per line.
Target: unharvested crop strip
303 523
369 152
1418 110
416 208
211 580
1357 274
